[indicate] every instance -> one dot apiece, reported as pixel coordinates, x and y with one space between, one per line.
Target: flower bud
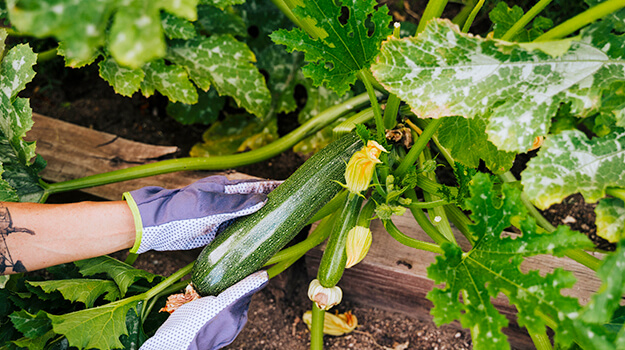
325 298
538 141
336 325
357 246
361 166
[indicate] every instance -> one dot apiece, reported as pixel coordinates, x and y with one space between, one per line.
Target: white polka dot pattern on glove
188 234
252 187
182 326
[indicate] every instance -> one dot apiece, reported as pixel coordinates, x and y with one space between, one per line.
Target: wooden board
394 277
74 151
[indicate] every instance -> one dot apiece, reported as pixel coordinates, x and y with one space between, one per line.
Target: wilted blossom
357 246
175 301
334 324
325 298
361 166
538 141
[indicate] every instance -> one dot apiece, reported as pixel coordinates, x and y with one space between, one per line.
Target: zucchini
249 242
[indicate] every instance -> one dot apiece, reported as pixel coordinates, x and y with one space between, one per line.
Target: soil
275 316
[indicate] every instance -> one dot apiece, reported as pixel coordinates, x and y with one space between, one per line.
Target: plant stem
616 192
332 206
521 23
417 148
462 16
316 328
573 24
173 278
409 241
278 268
472 15
47 55
214 163
350 123
427 205
460 220
437 212
377 115
433 9
392 104
541 340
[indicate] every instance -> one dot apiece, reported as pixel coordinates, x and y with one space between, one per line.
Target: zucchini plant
438 96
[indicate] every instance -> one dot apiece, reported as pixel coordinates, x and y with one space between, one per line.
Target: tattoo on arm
6 228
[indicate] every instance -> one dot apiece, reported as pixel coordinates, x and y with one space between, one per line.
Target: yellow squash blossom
361 166
324 297
336 325
357 246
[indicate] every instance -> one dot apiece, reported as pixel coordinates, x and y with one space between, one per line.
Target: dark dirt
81 97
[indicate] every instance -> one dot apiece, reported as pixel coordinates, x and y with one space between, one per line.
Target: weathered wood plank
74 151
394 277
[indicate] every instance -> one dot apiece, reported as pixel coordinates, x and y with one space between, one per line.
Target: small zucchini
249 242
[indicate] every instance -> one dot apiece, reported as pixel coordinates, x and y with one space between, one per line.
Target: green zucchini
249 242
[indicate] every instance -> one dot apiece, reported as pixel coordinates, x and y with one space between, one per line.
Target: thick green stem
215 163
316 328
46 55
417 148
592 14
377 114
460 220
462 16
409 241
332 206
280 267
577 255
167 282
350 123
472 15
422 220
392 104
541 340
616 192
437 214
528 17
434 9
366 214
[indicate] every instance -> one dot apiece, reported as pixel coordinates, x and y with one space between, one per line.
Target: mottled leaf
443 72
216 21
123 274
341 49
170 80
205 111
570 163
612 274
125 81
492 266
468 143
86 291
175 27
98 328
610 219
226 63
222 4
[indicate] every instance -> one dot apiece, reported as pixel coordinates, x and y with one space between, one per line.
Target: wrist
134 209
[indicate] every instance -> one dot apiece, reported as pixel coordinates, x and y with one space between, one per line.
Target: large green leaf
226 63
492 266
134 37
443 72
610 219
86 291
30 325
170 80
96 328
20 180
342 49
125 81
468 143
123 274
569 163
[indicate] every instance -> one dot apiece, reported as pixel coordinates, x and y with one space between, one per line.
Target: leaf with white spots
222 4
443 72
342 49
131 30
610 219
170 80
20 179
175 27
468 143
569 163
492 266
226 63
124 80
612 273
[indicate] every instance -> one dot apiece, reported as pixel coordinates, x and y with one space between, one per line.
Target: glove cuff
134 209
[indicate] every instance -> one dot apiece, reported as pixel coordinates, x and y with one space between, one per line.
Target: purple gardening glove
191 216
211 322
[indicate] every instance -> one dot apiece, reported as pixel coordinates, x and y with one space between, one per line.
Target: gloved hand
210 322
191 216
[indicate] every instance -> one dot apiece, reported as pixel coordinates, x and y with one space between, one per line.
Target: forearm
34 236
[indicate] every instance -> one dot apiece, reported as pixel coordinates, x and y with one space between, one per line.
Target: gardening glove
191 216
210 322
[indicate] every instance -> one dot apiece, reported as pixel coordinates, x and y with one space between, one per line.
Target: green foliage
123 274
570 163
504 17
440 72
492 266
610 219
341 50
